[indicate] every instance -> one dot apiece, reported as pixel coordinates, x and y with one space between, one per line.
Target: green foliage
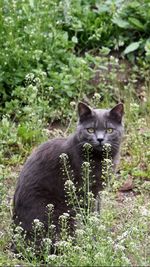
33 41
133 20
46 38
101 239
88 23
52 54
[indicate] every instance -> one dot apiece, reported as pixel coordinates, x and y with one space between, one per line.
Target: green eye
90 130
109 130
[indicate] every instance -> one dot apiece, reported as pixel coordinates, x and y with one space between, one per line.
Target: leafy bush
133 20
46 38
33 41
88 23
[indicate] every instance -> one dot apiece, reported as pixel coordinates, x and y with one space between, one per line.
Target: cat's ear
84 110
117 112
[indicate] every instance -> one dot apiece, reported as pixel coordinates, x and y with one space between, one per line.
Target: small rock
128 185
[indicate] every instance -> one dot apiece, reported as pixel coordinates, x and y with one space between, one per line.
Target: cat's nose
100 140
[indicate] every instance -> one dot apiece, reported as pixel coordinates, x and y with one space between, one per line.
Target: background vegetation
54 53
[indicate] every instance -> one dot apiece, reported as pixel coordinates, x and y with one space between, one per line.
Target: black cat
41 180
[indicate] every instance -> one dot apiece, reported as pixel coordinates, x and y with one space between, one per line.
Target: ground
125 209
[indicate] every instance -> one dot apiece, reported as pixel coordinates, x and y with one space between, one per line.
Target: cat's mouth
103 147
99 147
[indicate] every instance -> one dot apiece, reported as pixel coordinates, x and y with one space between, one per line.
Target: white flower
119 247
50 206
94 220
62 243
80 232
47 241
97 96
51 257
52 226
37 223
123 236
107 145
64 216
73 104
51 88
19 229
98 256
63 156
87 146
145 212
108 161
86 164
69 183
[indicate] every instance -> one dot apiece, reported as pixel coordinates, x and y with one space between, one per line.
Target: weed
52 54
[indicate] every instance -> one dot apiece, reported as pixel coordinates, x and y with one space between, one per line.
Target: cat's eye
90 130
109 130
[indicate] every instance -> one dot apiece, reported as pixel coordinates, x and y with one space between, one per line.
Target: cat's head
100 126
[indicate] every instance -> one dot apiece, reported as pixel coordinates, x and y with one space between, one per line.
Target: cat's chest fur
44 170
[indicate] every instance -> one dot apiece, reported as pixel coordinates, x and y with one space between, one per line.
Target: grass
119 236
79 57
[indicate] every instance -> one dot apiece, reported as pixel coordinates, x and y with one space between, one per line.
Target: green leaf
31 2
132 47
121 23
147 45
69 93
147 48
136 23
74 39
102 8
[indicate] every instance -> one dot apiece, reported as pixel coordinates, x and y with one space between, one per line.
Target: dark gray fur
41 180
